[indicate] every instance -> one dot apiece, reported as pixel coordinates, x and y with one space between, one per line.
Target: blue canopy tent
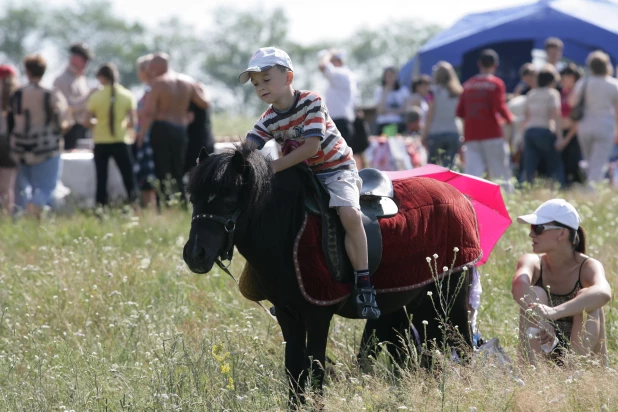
583 26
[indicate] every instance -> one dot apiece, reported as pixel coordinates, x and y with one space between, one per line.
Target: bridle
229 224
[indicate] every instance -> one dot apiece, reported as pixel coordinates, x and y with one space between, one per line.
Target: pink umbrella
493 218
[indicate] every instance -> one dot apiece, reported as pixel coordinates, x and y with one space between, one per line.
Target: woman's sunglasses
538 229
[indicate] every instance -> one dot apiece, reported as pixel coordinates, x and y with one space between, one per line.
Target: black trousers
346 128
76 132
169 145
571 156
121 153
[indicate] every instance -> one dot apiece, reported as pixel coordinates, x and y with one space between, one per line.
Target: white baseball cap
264 59
554 210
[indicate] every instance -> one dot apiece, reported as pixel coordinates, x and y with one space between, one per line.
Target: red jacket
482 106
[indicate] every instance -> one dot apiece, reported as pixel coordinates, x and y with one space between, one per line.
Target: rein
230 227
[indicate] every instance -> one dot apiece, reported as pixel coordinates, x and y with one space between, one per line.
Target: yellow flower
230 383
225 368
216 350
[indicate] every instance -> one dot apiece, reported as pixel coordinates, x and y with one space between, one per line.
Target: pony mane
217 175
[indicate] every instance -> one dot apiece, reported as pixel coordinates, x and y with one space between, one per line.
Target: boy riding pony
298 118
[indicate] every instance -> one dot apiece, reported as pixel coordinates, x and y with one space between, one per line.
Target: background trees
214 56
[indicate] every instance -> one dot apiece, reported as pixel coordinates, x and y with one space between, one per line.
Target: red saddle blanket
433 218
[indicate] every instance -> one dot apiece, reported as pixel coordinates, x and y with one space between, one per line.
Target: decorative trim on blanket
310 299
299 277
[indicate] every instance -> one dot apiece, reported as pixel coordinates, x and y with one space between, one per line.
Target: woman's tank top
564 325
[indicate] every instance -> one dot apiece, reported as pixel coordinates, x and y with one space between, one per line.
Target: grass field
104 315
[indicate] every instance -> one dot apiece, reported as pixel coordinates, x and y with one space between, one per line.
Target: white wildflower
425 322
455 249
144 263
428 259
429 293
435 255
445 269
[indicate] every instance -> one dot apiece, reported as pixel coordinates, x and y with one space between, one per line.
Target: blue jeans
36 183
442 148
539 147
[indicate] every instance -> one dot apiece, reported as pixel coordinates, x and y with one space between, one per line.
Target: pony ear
239 163
203 155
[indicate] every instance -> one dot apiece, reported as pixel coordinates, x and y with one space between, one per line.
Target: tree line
214 56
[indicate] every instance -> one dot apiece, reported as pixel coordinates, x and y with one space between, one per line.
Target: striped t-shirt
306 118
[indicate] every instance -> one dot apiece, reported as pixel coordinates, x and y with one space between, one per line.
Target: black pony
237 201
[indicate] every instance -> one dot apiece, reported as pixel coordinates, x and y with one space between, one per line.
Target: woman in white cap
557 285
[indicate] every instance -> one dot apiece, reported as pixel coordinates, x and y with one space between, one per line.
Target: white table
78 177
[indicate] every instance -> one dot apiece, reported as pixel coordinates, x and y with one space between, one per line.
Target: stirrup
366 305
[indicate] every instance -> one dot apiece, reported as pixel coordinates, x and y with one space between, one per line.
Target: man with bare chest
165 114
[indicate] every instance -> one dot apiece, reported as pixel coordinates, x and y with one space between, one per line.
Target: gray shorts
344 188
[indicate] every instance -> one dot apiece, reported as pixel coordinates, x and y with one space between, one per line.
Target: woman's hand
545 337
560 144
544 311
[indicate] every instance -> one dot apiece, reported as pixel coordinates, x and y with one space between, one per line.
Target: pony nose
198 252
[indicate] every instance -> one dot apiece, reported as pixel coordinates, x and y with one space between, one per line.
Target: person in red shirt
482 106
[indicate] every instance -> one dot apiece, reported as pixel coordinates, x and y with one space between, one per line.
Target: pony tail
579 243
112 105
109 72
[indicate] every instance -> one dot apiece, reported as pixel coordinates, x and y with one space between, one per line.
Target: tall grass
102 314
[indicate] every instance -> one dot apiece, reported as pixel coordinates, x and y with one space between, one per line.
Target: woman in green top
114 109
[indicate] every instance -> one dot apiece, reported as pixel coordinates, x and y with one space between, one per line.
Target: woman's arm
381 100
595 293
616 121
428 121
522 280
556 113
132 118
89 120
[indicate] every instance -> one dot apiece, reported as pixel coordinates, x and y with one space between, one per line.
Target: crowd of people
557 123
150 140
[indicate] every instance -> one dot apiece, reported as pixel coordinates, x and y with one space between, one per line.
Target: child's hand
273 166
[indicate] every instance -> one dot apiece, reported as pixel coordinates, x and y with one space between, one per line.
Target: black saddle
376 201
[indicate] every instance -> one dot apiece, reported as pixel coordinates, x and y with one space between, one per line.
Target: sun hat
264 59
554 210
